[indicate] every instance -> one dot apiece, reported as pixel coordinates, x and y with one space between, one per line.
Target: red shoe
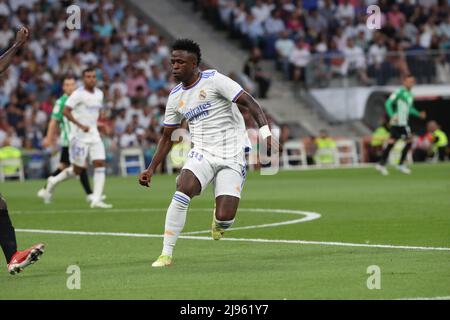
22 259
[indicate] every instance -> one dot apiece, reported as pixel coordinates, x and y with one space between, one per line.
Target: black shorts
400 132
65 155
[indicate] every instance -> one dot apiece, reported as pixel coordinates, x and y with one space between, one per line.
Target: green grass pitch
357 206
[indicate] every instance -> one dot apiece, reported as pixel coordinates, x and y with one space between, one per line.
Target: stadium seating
346 152
11 168
131 161
293 155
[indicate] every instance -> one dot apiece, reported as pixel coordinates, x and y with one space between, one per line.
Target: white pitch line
426 298
309 216
145 235
88 210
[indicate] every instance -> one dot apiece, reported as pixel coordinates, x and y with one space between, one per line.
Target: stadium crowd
132 59
313 41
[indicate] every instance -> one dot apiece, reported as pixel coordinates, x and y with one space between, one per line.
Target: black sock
405 152
7 233
84 179
385 154
54 174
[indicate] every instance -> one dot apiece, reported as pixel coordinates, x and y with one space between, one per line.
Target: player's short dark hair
88 69
69 77
189 46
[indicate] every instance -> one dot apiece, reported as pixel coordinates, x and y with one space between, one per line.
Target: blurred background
321 75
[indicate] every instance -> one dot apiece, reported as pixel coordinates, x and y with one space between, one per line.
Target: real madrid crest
180 104
202 95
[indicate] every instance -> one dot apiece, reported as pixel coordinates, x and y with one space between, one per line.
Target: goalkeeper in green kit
398 107
57 118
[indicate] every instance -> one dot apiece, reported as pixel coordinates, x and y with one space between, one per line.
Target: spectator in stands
345 10
316 23
253 32
310 149
128 138
355 61
273 27
8 151
378 139
422 146
326 148
335 59
261 10
299 59
439 140
295 25
377 64
284 47
254 71
395 16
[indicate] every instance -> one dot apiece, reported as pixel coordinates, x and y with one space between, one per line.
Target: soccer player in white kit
82 108
208 101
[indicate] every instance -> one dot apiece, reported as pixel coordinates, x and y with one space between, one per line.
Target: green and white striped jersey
64 124
399 106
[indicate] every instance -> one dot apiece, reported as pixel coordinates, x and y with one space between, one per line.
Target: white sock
224 224
99 183
63 175
175 220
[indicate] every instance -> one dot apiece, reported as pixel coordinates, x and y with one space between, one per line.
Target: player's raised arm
21 38
247 101
162 150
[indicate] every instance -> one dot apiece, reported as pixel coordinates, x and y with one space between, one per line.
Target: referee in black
17 260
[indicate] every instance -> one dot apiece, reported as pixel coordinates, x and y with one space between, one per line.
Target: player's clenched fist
144 178
21 36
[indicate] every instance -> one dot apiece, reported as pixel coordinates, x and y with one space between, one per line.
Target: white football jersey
215 122
86 107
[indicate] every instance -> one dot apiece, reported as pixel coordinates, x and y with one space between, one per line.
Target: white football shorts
227 175
79 151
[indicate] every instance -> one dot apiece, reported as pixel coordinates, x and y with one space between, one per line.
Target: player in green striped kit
398 107
57 118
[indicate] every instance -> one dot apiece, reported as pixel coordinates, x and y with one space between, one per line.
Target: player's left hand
21 35
273 146
423 115
144 178
47 142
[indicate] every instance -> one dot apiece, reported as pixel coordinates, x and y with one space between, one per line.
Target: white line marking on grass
145 235
309 216
427 298
88 210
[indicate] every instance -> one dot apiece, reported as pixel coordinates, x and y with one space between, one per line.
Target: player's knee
188 189
77 170
224 214
226 207
63 165
98 163
188 183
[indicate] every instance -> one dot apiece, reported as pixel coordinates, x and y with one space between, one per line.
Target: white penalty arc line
308 216
323 243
